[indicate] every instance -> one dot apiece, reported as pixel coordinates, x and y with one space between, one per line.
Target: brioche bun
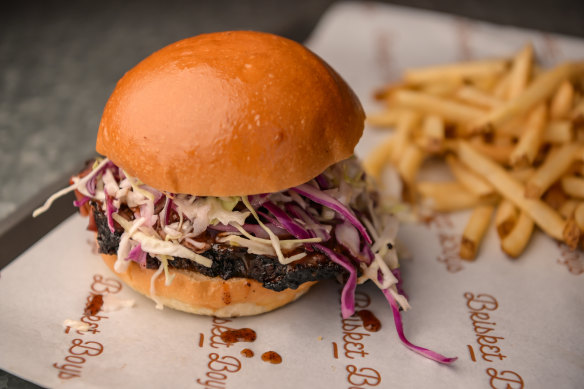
196 293
231 113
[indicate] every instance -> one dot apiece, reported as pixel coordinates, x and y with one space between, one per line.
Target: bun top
231 113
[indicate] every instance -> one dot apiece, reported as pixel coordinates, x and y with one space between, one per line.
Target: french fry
442 89
475 231
528 146
450 110
522 175
536 92
558 131
375 161
577 113
387 118
447 196
469 179
512 134
573 186
513 127
501 154
474 96
520 72
515 242
501 89
505 217
555 165
555 196
567 209
455 72
410 163
579 215
405 126
433 129
543 215
562 101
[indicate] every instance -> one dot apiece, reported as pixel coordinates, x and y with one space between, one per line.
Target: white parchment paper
510 322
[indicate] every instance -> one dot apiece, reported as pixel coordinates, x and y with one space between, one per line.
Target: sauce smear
94 305
239 335
272 357
370 322
247 353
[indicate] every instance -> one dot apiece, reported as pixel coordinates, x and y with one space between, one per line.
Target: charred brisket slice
229 262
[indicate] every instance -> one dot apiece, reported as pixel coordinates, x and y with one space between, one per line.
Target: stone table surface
60 60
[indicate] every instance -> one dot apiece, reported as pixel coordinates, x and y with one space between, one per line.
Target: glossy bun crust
196 293
231 113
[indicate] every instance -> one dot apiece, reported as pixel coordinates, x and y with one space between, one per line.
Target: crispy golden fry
530 141
555 196
384 92
577 113
515 241
558 131
377 159
536 92
475 231
513 127
387 118
562 101
501 89
469 179
567 209
405 126
450 110
545 217
474 96
501 154
505 217
573 186
447 196
520 72
433 129
442 89
506 128
579 215
522 175
410 163
555 165
455 72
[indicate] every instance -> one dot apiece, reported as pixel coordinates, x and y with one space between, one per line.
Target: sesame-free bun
230 113
196 293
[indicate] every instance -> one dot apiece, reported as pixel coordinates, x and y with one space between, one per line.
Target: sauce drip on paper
247 353
272 357
370 322
239 335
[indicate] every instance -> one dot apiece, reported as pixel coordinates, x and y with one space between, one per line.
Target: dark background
60 60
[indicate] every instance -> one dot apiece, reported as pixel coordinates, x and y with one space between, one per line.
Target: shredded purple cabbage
348 293
79 203
137 255
322 198
286 221
400 332
315 229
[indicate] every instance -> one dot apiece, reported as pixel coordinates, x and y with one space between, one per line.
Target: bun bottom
196 293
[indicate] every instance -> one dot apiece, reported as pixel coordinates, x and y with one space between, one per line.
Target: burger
228 185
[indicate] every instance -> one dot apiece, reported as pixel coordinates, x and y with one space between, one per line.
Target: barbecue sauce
247 353
370 322
272 357
239 335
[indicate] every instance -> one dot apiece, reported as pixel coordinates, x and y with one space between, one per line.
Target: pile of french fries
512 135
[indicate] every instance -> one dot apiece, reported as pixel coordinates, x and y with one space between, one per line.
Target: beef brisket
230 261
